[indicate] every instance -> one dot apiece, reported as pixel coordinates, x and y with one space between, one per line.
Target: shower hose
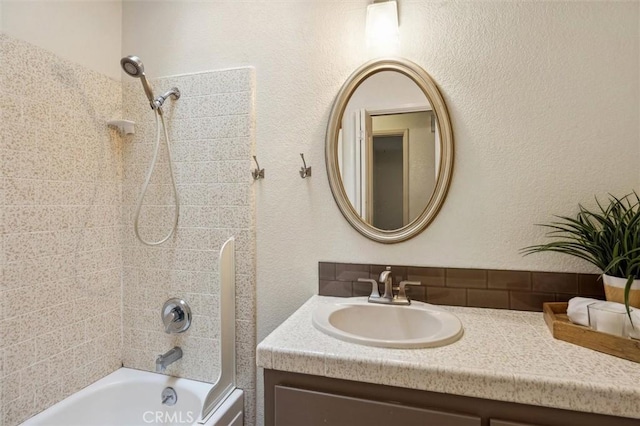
145 186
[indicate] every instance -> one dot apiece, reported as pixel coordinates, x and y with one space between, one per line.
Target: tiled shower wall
60 190
211 133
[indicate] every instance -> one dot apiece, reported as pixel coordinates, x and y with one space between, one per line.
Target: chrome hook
257 173
304 171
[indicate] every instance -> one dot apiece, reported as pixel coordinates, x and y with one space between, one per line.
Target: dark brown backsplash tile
417 293
509 280
399 273
498 299
529 301
447 296
466 278
351 271
554 282
564 297
362 289
519 290
326 271
431 277
590 285
335 288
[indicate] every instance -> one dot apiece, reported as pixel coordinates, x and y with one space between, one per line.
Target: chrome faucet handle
375 293
402 292
176 316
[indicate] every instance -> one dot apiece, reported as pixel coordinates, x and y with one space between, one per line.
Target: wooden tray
555 315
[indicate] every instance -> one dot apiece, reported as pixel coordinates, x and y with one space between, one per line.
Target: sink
419 325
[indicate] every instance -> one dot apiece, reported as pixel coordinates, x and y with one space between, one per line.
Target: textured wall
543 97
211 132
63 27
544 102
61 251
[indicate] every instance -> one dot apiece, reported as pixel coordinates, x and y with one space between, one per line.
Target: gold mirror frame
429 88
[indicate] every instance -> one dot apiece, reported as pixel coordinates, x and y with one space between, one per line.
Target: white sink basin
418 325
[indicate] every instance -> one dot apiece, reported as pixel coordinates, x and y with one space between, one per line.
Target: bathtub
129 397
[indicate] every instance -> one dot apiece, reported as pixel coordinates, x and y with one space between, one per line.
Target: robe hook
257 173
304 170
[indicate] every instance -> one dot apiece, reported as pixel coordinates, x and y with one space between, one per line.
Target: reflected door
389 181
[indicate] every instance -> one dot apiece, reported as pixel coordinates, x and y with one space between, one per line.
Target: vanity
506 370
389 155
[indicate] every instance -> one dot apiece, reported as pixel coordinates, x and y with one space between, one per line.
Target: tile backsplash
60 191
519 290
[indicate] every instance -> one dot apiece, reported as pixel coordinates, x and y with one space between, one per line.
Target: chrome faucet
168 358
388 298
387 279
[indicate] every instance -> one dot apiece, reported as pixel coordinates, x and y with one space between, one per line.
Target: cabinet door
295 407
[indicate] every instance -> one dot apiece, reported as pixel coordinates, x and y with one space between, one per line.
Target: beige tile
68 210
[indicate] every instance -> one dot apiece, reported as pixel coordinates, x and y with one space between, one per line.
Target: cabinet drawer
295 407
505 423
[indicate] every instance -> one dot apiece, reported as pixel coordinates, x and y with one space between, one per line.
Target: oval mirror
389 150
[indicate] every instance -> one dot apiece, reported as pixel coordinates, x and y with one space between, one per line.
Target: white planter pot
614 290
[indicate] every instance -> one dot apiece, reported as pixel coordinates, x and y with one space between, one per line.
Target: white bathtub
129 397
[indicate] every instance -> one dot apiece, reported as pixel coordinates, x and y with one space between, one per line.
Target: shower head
133 66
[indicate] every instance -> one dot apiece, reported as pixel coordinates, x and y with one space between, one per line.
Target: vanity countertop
504 355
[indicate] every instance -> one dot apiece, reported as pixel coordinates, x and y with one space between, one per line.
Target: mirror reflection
388 150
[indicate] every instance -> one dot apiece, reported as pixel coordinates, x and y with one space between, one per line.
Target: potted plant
607 237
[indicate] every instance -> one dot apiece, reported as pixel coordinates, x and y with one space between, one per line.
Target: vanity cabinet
293 399
294 407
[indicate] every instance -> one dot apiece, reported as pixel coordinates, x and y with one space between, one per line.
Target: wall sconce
382 26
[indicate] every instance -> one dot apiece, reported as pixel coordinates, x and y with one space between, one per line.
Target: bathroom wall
60 189
211 134
63 27
544 102
543 96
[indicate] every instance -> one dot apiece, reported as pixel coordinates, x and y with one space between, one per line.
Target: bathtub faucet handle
176 316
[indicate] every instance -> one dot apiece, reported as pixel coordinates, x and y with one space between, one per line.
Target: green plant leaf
607 237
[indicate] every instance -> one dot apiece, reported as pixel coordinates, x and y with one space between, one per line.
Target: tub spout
166 359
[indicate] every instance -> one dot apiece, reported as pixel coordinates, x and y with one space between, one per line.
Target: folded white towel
578 313
577 310
634 332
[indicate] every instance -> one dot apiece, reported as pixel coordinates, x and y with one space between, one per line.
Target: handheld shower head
133 66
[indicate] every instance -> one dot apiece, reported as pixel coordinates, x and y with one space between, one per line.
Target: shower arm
159 101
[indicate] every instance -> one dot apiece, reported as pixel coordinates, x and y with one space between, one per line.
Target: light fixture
382 25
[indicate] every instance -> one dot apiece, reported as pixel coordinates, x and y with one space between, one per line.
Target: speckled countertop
503 355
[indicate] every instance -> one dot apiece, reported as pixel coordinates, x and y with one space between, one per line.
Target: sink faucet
388 298
168 358
387 279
